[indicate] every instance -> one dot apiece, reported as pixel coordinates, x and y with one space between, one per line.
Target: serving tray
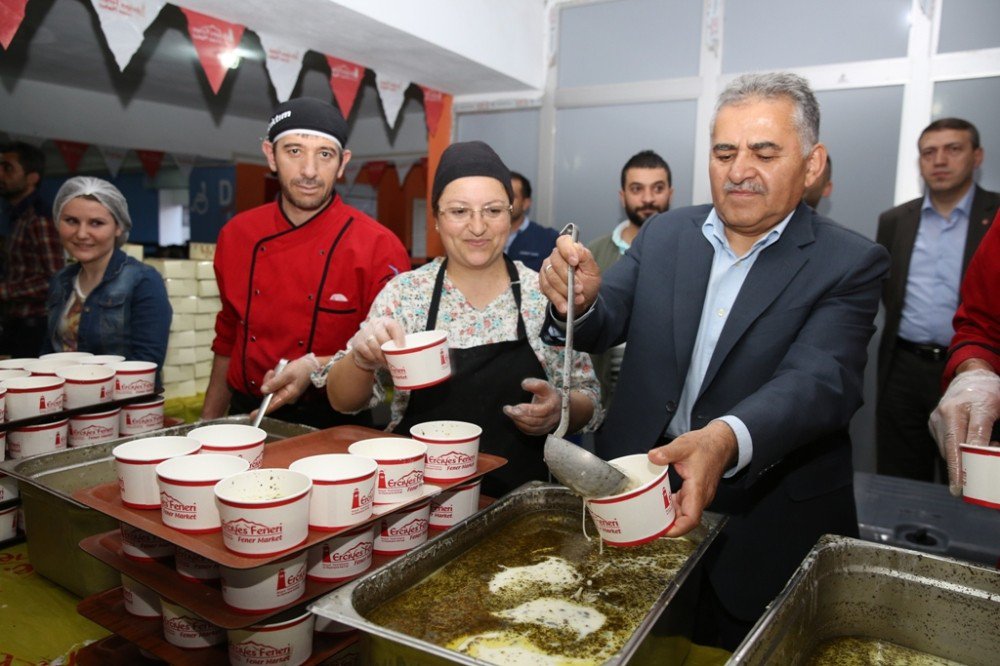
106 497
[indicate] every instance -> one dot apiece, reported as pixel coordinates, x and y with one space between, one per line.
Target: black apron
483 380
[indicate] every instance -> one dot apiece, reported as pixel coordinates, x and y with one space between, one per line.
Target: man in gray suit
747 325
931 240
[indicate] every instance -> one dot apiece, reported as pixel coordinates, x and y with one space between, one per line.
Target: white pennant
124 24
284 62
391 91
185 163
113 158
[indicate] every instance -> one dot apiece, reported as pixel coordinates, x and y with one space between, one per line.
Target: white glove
288 385
366 345
541 415
965 415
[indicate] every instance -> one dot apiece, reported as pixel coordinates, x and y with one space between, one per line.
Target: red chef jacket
287 291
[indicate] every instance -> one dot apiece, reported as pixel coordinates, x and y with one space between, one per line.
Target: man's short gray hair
774 85
101 191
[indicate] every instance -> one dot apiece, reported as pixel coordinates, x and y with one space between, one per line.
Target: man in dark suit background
529 242
931 240
747 325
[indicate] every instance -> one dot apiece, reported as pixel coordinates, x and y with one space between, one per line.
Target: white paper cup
74 356
136 463
97 428
195 568
101 359
265 588
635 516
3 403
187 630
141 546
8 522
187 490
400 461
15 363
140 417
344 556
13 372
33 396
453 506
8 487
233 439
285 640
403 530
46 367
134 378
421 362
33 440
452 449
139 599
343 489
981 475
264 511
87 385
3 446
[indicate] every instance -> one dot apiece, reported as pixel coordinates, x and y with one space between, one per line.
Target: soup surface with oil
860 651
537 592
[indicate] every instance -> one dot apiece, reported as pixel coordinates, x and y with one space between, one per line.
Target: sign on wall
213 201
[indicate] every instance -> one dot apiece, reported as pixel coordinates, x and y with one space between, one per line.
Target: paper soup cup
264 511
981 475
400 467
101 359
187 630
32 440
233 439
136 463
97 428
141 546
8 522
452 449
285 640
15 363
403 530
140 417
139 599
134 378
195 568
47 367
343 489
453 506
8 486
13 372
344 556
3 403
74 356
87 385
635 516
187 490
265 588
421 362
33 396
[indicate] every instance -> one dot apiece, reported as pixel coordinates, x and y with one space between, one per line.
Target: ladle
576 468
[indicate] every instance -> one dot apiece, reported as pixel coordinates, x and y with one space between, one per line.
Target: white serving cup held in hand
136 463
638 515
343 489
187 490
401 463
421 362
981 475
264 511
233 439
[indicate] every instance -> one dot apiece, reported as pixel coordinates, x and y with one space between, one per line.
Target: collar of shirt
616 237
520 230
715 232
964 207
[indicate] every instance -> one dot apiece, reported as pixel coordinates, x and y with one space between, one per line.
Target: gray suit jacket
897 232
789 363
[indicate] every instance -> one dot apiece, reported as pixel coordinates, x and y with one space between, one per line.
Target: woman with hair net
106 302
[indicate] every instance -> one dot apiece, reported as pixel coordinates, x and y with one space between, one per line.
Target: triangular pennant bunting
433 105
405 166
71 151
124 25
113 158
391 91
11 15
185 163
151 161
351 172
284 62
375 170
345 79
215 41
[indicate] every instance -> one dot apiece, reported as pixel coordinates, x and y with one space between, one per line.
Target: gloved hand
366 345
541 415
965 415
290 383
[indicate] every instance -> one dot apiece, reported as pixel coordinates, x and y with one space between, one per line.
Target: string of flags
216 42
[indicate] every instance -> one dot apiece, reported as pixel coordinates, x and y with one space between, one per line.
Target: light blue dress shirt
935 275
724 283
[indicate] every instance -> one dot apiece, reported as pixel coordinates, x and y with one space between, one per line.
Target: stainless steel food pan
851 588
662 629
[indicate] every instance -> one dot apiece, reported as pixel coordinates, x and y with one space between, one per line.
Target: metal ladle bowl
576 468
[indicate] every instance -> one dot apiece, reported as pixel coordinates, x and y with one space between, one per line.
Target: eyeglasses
489 213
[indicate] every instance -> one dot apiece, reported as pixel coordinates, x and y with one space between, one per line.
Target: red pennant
72 152
433 105
215 41
11 15
375 170
151 161
345 80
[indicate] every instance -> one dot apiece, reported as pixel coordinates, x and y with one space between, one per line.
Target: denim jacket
128 313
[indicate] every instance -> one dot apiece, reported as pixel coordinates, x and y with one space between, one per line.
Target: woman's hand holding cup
366 345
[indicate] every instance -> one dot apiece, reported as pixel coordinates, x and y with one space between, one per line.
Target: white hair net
101 191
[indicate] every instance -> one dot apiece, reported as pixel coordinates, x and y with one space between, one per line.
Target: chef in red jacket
296 276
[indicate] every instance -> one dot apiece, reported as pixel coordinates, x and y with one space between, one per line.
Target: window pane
969 24
976 100
513 134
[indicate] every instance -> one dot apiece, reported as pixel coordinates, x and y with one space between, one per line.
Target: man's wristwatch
318 377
